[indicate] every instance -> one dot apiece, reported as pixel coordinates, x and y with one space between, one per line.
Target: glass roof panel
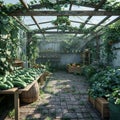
11 1
44 18
46 25
27 20
74 7
33 27
88 26
77 18
96 19
52 30
109 20
73 24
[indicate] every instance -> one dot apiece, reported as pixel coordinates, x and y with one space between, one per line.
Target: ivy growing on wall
110 36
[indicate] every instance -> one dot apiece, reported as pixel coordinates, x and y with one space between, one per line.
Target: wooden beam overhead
65 13
96 9
41 23
118 18
99 24
81 22
36 22
27 8
20 23
57 32
102 21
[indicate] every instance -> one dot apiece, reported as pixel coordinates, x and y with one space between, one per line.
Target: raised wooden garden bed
74 69
18 63
102 105
17 92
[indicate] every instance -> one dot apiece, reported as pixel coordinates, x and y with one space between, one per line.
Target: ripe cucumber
4 79
27 80
9 84
4 87
19 84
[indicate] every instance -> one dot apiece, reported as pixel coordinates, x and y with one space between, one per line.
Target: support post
97 48
16 105
29 39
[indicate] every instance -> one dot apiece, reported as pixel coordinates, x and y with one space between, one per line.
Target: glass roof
76 21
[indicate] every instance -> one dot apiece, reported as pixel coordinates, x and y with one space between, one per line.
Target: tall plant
110 36
8 41
32 50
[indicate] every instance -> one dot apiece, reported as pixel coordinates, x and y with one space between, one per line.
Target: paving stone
79 115
70 100
59 110
69 115
63 104
86 115
59 115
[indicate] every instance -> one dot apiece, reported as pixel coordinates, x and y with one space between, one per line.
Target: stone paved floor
64 97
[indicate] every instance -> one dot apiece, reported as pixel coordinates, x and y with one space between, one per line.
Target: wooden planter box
74 69
91 100
102 105
18 63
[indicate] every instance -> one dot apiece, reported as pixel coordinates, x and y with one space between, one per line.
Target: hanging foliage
33 50
109 5
111 35
8 41
62 20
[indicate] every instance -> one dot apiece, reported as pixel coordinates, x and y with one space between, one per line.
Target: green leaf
8 52
3 59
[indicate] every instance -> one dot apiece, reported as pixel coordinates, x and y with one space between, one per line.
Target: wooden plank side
30 85
8 91
16 105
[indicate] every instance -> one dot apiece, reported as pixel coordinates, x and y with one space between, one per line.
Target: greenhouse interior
59 59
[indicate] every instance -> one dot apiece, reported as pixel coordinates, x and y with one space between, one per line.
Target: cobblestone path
64 97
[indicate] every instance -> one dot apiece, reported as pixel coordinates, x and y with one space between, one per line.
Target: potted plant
114 104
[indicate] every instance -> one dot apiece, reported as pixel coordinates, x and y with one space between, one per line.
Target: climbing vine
8 41
32 49
62 20
110 5
111 35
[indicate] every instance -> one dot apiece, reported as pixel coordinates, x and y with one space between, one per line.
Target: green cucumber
19 84
27 80
4 79
9 84
4 87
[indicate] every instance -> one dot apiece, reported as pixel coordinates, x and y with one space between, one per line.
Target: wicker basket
31 95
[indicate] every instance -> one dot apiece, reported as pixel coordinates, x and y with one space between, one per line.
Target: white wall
50 46
51 49
69 58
